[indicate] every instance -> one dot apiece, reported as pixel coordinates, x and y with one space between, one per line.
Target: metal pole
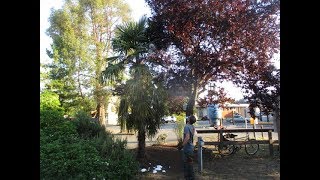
232 117
200 163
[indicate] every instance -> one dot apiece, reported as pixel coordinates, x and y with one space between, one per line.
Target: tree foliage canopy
219 40
81 33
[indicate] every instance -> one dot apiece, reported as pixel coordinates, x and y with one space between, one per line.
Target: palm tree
142 98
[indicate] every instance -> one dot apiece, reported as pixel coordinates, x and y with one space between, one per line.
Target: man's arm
186 139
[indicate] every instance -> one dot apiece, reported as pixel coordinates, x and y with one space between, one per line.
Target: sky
139 8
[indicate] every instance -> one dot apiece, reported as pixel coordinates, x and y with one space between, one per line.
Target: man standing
188 148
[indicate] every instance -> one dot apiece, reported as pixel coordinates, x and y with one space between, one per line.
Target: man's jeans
187 156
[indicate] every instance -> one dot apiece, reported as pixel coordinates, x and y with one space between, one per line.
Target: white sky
139 8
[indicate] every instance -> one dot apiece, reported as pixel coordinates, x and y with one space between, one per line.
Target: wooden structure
221 131
220 139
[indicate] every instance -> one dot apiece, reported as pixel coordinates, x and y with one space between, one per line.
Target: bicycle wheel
251 149
226 149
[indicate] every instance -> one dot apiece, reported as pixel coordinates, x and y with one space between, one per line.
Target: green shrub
69 161
50 118
121 162
125 166
80 149
86 127
51 113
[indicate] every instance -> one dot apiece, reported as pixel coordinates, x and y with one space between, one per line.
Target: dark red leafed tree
215 97
175 104
217 39
263 90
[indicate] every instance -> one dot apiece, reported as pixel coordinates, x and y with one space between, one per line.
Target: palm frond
112 72
130 38
114 59
123 114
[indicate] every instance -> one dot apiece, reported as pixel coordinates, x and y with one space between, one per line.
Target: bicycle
227 149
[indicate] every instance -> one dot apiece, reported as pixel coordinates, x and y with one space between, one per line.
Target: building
111 110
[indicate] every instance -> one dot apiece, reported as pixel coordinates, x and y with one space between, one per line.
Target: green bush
51 112
78 160
121 162
50 118
81 149
86 127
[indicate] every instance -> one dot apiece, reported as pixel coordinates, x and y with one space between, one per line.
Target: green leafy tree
142 96
81 32
50 100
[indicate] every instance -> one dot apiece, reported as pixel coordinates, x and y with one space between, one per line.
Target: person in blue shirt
188 148
214 115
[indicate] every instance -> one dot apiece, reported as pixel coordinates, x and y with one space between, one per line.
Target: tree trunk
102 114
192 99
141 154
97 111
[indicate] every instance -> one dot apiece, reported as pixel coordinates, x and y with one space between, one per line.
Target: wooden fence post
270 142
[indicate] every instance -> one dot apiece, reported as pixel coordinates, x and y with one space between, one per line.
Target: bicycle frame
250 148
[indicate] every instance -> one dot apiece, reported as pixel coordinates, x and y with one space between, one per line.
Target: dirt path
237 166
